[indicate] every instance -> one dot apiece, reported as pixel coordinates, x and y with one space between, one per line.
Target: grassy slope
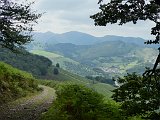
69 78
14 83
147 54
65 77
66 63
55 58
104 89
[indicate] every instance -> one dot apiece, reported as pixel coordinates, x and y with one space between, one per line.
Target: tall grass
14 83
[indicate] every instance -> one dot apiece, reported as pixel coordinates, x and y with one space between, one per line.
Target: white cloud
73 15
67 5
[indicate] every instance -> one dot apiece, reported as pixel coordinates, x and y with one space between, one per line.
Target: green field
66 63
55 58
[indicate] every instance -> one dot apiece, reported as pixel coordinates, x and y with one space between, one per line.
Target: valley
109 56
91 65
65 60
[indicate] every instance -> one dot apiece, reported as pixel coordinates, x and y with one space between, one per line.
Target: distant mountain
107 49
45 40
77 38
135 40
44 37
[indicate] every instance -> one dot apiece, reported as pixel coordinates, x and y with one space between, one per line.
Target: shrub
76 102
14 83
57 65
55 71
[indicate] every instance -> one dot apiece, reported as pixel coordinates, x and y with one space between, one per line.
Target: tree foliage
139 95
16 22
57 65
101 79
123 11
55 71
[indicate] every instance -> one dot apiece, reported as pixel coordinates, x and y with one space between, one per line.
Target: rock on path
30 108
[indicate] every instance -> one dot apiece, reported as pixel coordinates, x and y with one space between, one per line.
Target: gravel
30 108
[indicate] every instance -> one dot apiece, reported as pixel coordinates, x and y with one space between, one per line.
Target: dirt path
29 108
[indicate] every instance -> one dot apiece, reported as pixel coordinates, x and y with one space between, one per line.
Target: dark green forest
35 64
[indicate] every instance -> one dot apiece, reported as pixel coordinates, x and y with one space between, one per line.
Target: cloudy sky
73 15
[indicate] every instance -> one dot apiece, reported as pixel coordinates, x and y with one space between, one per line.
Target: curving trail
29 108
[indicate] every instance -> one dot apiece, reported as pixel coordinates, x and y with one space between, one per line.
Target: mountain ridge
78 38
108 55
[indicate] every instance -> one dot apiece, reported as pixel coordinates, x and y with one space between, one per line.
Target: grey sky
73 15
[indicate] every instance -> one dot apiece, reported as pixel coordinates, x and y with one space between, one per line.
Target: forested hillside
35 64
66 63
110 58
